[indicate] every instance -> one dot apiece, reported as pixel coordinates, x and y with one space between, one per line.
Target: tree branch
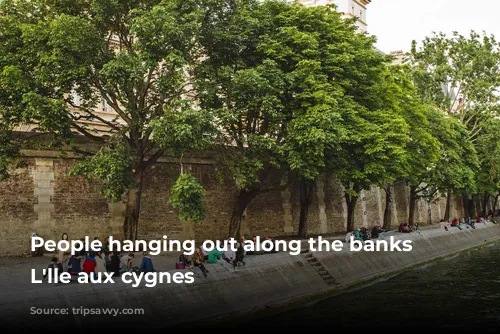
87 134
154 158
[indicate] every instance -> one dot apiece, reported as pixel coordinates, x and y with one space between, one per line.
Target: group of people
117 263
228 257
98 261
407 228
466 222
362 234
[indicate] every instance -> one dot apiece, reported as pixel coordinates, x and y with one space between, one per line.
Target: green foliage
112 166
136 56
460 75
456 168
488 148
184 129
378 132
423 150
187 195
242 88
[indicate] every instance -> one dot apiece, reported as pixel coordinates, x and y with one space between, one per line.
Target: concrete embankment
266 281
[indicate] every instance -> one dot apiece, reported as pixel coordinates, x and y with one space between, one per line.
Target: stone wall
42 197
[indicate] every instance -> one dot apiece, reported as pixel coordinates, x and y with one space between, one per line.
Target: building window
361 14
352 10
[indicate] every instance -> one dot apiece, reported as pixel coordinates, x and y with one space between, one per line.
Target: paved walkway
15 272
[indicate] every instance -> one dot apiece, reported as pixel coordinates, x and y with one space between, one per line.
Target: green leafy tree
488 173
422 149
242 88
377 133
132 55
453 172
311 50
460 75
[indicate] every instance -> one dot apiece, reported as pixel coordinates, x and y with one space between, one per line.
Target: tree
132 55
377 132
311 49
236 82
454 171
459 75
422 150
488 173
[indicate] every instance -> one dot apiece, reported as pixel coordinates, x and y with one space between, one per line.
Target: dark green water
462 292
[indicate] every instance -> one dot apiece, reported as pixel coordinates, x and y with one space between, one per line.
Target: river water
460 292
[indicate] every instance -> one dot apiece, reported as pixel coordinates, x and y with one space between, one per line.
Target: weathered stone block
43 176
44 207
44 191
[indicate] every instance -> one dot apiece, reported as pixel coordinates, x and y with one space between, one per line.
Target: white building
399 57
350 8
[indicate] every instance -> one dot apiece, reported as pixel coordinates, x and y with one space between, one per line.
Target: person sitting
146 264
126 263
348 236
405 228
400 228
100 263
273 250
364 234
75 264
256 252
198 259
254 239
214 255
51 269
444 224
470 223
376 231
229 254
184 259
240 254
114 263
454 222
90 263
357 234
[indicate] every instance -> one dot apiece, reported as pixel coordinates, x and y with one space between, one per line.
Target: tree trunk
466 203
133 207
388 208
242 200
471 207
486 198
351 206
413 201
448 205
306 192
495 203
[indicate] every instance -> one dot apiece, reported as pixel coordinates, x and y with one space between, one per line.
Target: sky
397 22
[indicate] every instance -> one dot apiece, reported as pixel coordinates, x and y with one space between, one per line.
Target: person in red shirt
89 264
454 222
